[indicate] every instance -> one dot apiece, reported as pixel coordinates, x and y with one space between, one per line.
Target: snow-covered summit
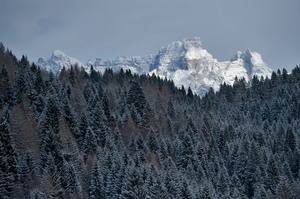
186 62
58 61
250 61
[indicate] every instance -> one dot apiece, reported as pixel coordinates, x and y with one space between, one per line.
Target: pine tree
284 76
291 139
105 106
133 185
152 141
98 123
2 48
171 109
89 143
235 185
6 94
72 76
71 117
185 191
187 151
94 76
223 183
6 184
284 189
272 174
123 112
95 189
8 157
50 117
152 183
260 192
190 94
137 100
171 185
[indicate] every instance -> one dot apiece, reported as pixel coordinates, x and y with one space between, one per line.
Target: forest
85 134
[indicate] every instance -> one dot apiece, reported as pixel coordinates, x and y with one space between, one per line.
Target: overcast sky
89 29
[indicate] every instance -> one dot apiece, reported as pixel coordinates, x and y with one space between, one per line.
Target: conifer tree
152 141
95 190
272 174
171 109
8 158
291 139
8 149
284 189
6 94
137 100
190 94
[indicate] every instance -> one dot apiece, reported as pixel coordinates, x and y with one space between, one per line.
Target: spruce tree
284 189
6 94
8 158
137 100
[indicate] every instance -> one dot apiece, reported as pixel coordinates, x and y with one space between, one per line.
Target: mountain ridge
186 62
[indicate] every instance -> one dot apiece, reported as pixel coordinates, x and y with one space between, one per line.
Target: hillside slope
122 135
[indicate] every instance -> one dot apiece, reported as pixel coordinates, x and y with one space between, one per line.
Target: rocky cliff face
58 61
188 64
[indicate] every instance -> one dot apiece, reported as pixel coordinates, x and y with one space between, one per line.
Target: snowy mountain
57 62
186 62
136 64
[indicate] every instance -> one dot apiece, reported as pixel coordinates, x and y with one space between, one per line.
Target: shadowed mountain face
186 62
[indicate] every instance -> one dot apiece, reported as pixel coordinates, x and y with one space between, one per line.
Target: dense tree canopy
119 135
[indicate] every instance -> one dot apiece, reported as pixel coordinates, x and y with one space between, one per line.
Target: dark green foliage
8 158
72 76
190 94
8 151
138 104
291 139
50 117
6 94
136 97
152 141
171 110
95 189
284 189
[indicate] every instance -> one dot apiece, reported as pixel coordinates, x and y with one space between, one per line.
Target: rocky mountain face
57 62
186 62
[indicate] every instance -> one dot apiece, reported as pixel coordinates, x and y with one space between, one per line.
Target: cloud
107 29
48 25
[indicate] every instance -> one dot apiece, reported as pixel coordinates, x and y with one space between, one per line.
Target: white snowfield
185 62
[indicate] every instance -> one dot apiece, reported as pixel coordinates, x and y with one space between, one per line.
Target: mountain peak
58 53
186 44
186 62
248 56
57 62
192 43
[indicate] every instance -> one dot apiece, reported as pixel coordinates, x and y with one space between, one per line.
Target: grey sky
109 28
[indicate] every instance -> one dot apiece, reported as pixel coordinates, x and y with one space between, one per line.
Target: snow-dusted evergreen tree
6 93
284 189
8 157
